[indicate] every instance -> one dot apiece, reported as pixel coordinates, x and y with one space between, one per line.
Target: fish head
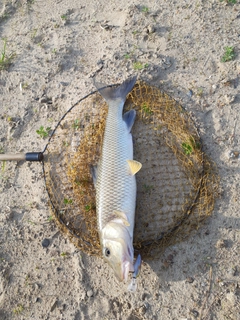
117 250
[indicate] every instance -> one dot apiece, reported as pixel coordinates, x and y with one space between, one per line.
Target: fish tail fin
115 93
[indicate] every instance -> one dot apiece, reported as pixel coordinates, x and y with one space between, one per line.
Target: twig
207 293
217 296
233 134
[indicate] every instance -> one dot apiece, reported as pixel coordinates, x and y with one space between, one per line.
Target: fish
115 182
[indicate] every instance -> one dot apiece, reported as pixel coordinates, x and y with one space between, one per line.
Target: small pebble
90 293
150 29
45 243
238 66
43 100
229 98
214 87
235 271
142 310
190 279
105 26
195 313
36 286
190 93
222 243
54 306
232 298
234 154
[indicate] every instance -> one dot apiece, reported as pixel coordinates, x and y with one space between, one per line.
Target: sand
53 50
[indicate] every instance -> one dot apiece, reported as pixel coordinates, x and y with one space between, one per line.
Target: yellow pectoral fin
123 217
134 166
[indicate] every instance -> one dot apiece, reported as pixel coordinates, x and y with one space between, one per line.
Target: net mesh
177 184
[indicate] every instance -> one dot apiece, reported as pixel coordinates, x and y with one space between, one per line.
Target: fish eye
107 252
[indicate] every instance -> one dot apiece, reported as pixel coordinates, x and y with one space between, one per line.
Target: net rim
147 244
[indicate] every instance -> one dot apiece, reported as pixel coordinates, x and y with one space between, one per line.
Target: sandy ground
57 47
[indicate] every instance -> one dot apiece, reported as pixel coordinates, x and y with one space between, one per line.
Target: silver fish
115 183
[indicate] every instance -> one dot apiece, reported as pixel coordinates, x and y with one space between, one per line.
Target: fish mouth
126 268
127 263
122 272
